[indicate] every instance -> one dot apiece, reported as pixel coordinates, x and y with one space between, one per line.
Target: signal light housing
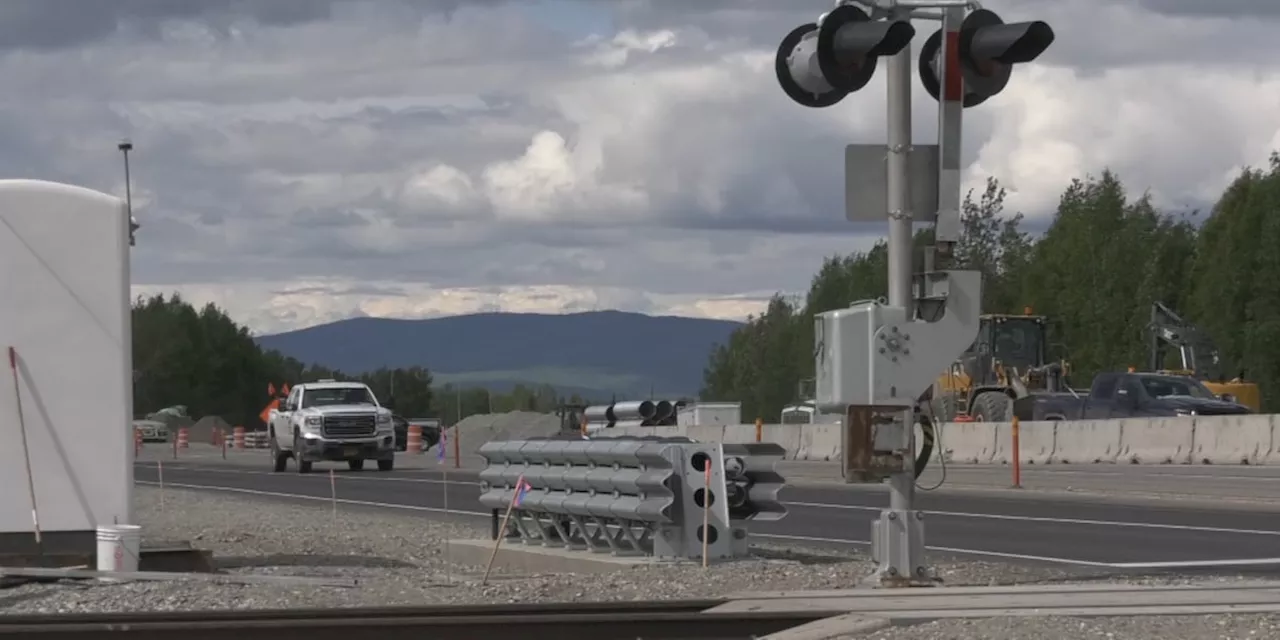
818 65
985 50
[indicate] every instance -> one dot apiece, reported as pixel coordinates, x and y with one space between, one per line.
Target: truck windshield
1163 386
1018 342
336 395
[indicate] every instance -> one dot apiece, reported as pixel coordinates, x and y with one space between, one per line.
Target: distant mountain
596 353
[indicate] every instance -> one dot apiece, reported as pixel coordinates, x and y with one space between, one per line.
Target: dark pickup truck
1137 395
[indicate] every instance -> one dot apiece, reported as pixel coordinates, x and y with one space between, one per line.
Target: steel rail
412 611
676 620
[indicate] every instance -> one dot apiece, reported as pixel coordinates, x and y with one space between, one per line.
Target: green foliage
1105 257
204 360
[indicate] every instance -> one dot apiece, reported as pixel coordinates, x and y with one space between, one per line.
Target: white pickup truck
330 420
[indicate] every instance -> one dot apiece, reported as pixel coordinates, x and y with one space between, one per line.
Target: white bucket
118 547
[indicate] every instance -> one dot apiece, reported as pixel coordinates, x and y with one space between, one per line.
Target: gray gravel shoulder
400 559
1216 627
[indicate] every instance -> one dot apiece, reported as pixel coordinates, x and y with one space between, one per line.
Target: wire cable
932 435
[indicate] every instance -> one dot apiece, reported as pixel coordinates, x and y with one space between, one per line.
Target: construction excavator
1197 356
1006 365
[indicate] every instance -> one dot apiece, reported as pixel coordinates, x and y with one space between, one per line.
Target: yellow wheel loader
1006 365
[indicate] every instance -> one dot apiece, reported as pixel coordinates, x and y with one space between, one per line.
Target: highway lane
1012 528
1207 484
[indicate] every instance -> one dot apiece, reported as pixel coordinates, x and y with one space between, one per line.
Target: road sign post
874 361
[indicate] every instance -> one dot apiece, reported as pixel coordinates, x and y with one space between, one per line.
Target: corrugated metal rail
662 620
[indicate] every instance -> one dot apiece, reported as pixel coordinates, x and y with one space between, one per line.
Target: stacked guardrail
632 495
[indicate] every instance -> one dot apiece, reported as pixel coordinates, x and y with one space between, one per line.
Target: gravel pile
399 559
479 429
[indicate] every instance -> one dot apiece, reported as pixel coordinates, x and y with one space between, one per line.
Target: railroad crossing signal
966 62
985 48
818 64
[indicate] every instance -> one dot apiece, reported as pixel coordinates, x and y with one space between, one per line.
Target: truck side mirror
1125 398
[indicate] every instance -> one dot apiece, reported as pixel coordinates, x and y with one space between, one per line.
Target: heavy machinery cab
1008 359
570 415
1011 341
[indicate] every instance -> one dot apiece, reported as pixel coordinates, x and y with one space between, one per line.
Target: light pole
125 147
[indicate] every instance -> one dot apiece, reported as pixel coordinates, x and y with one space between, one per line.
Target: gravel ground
1223 627
399 559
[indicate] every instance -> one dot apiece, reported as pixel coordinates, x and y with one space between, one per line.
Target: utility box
709 413
64 253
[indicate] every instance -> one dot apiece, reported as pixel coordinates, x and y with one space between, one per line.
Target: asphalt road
1026 528
1185 483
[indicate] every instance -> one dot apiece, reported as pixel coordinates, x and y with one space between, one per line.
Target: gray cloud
1217 8
56 24
350 149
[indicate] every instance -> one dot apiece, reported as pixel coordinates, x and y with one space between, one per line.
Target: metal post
125 147
128 184
902 485
950 120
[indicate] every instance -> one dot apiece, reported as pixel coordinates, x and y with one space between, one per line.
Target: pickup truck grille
350 426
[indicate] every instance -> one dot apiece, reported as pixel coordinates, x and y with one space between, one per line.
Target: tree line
1105 257
204 360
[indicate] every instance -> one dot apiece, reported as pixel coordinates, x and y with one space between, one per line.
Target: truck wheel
279 459
304 465
387 465
992 406
355 465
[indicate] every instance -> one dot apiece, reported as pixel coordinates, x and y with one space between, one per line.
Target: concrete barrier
706 433
969 442
1038 441
1086 441
1233 440
787 435
1156 440
739 433
819 442
1249 439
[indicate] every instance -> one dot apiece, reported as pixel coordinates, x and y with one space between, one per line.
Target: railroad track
661 620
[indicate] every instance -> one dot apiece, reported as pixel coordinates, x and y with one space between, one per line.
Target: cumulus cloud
302 161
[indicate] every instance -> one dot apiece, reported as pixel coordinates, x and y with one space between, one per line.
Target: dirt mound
479 429
204 428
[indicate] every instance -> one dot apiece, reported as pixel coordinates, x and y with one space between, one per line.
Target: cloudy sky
300 161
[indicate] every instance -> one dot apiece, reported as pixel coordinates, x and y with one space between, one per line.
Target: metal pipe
931 4
634 410
892 5
125 147
597 413
663 410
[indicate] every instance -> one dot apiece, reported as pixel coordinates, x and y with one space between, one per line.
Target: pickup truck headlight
384 418
314 421
1185 412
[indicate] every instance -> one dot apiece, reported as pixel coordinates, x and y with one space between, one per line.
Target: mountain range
595 354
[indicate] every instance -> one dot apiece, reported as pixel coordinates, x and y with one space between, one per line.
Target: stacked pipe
631 413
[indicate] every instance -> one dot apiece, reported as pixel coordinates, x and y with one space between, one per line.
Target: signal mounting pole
902 485
877 362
